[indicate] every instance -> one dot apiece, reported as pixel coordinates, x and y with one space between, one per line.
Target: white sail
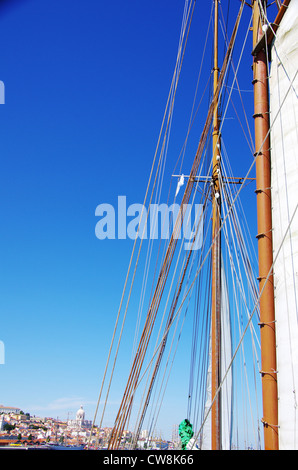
226 389
283 84
226 357
205 438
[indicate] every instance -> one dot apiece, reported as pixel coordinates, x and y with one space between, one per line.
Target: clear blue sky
85 88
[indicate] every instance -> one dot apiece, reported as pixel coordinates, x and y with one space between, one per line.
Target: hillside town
22 430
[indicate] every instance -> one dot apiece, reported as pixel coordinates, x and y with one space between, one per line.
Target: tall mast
216 255
263 191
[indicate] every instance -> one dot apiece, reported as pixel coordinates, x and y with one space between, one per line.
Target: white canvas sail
283 83
205 439
226 357
226 390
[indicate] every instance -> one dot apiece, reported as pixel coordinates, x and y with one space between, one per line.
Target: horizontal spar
230 179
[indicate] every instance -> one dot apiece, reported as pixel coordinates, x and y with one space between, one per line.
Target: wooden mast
263 191
216 256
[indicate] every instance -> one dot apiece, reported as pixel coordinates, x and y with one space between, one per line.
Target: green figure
185 433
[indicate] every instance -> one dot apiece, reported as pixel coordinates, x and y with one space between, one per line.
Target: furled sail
226 373
227 385
283 84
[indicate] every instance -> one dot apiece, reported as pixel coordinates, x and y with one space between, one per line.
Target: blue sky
85 89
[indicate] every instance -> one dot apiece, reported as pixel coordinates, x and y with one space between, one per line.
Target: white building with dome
80 421
80 416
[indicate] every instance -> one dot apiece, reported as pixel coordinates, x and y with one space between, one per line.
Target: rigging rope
126 404
179 54
168 110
